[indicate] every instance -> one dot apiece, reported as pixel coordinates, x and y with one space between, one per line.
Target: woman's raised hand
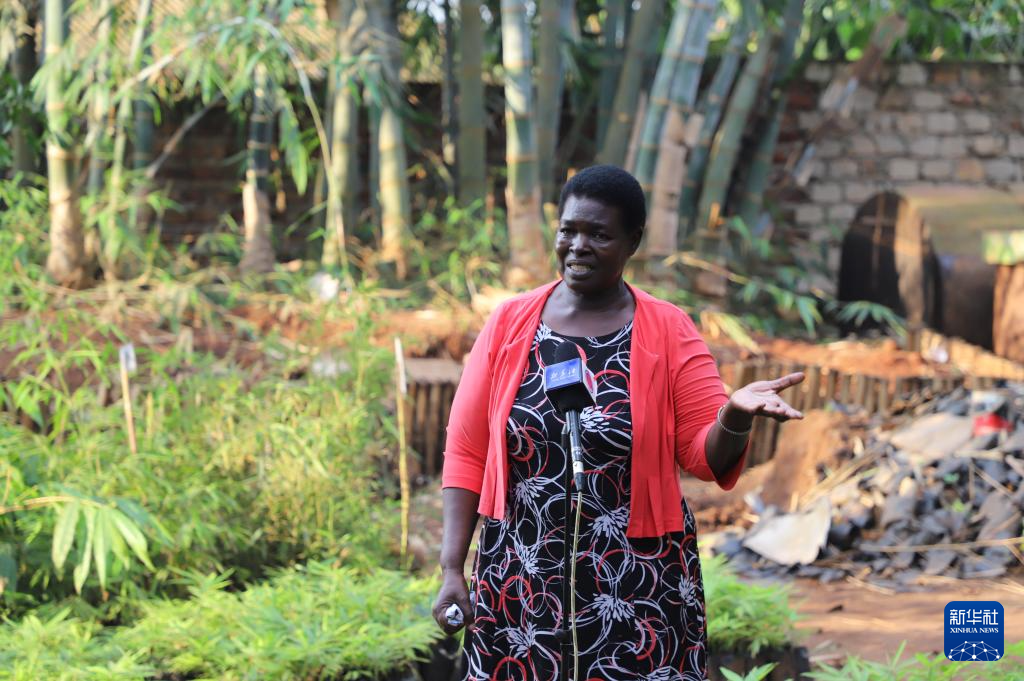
761 398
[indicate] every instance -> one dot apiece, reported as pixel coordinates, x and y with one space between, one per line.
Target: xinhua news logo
974 631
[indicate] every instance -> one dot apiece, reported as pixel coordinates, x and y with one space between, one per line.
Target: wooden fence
432 384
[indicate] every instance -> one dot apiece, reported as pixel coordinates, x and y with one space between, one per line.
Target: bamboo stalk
550 79
126 361
522 193
403 454
712 107
657 102
726 146
341 194
612 34
679 133
100 104
638 47
258 251
66 260
472 143
762 163
24 66
396 214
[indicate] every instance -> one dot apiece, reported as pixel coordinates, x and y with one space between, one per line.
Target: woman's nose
580 242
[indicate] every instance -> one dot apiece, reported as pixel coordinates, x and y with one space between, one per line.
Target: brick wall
931 123
919 123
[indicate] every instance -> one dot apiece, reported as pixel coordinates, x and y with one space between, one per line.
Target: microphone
570 387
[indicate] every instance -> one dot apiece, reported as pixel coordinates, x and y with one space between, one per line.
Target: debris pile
939 494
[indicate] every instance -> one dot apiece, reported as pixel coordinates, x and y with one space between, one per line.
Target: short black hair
611 185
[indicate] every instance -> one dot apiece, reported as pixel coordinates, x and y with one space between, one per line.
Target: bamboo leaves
102 532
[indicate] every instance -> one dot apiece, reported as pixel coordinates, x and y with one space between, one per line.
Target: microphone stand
563 635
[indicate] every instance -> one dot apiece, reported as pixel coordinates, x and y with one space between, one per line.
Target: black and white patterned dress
640 602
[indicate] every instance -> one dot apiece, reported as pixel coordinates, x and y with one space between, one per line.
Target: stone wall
918 123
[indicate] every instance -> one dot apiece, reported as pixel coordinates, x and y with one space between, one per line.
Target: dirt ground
848 618
840 618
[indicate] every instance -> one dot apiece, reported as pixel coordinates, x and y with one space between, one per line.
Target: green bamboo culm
24 66
522 193
258 250
550 80
761 165
66 260
711 108
341 192
396 214
471 148
726 146
657 103
611 62
638 47
142 138
673 144
100 105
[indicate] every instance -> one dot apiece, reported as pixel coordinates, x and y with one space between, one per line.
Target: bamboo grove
687 94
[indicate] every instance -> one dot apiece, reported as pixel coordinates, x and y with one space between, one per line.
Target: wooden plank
432 448
420 439
811 384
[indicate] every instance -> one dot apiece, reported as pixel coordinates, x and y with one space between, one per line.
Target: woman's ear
637 238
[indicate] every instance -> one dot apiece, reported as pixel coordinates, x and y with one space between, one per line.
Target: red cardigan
674 390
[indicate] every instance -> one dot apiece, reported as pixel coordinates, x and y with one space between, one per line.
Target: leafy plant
307 623
755 674
742 616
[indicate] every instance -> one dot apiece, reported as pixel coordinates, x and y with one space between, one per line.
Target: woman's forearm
724 448
460 516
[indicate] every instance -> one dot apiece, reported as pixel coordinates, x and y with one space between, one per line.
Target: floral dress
639 602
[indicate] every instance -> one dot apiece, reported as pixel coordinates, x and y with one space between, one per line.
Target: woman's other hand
453 590
761 398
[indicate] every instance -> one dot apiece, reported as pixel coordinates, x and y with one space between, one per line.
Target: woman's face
592 245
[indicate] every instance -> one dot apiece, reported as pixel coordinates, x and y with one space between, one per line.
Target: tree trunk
627 94
550 80
711 109
679 133
394 183
657 103
472 143
258 250
341 212
66 261
613 38
24 65
522 193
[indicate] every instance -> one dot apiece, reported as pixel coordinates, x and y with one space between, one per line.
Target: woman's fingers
787 381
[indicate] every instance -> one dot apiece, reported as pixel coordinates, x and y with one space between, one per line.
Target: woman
660 403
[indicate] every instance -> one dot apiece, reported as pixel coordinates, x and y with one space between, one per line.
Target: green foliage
926 668
744 617
311 622
755 674
63 648
936 29
23 206
235 469
459 248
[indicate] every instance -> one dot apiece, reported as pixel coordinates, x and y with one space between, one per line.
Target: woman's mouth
579 268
